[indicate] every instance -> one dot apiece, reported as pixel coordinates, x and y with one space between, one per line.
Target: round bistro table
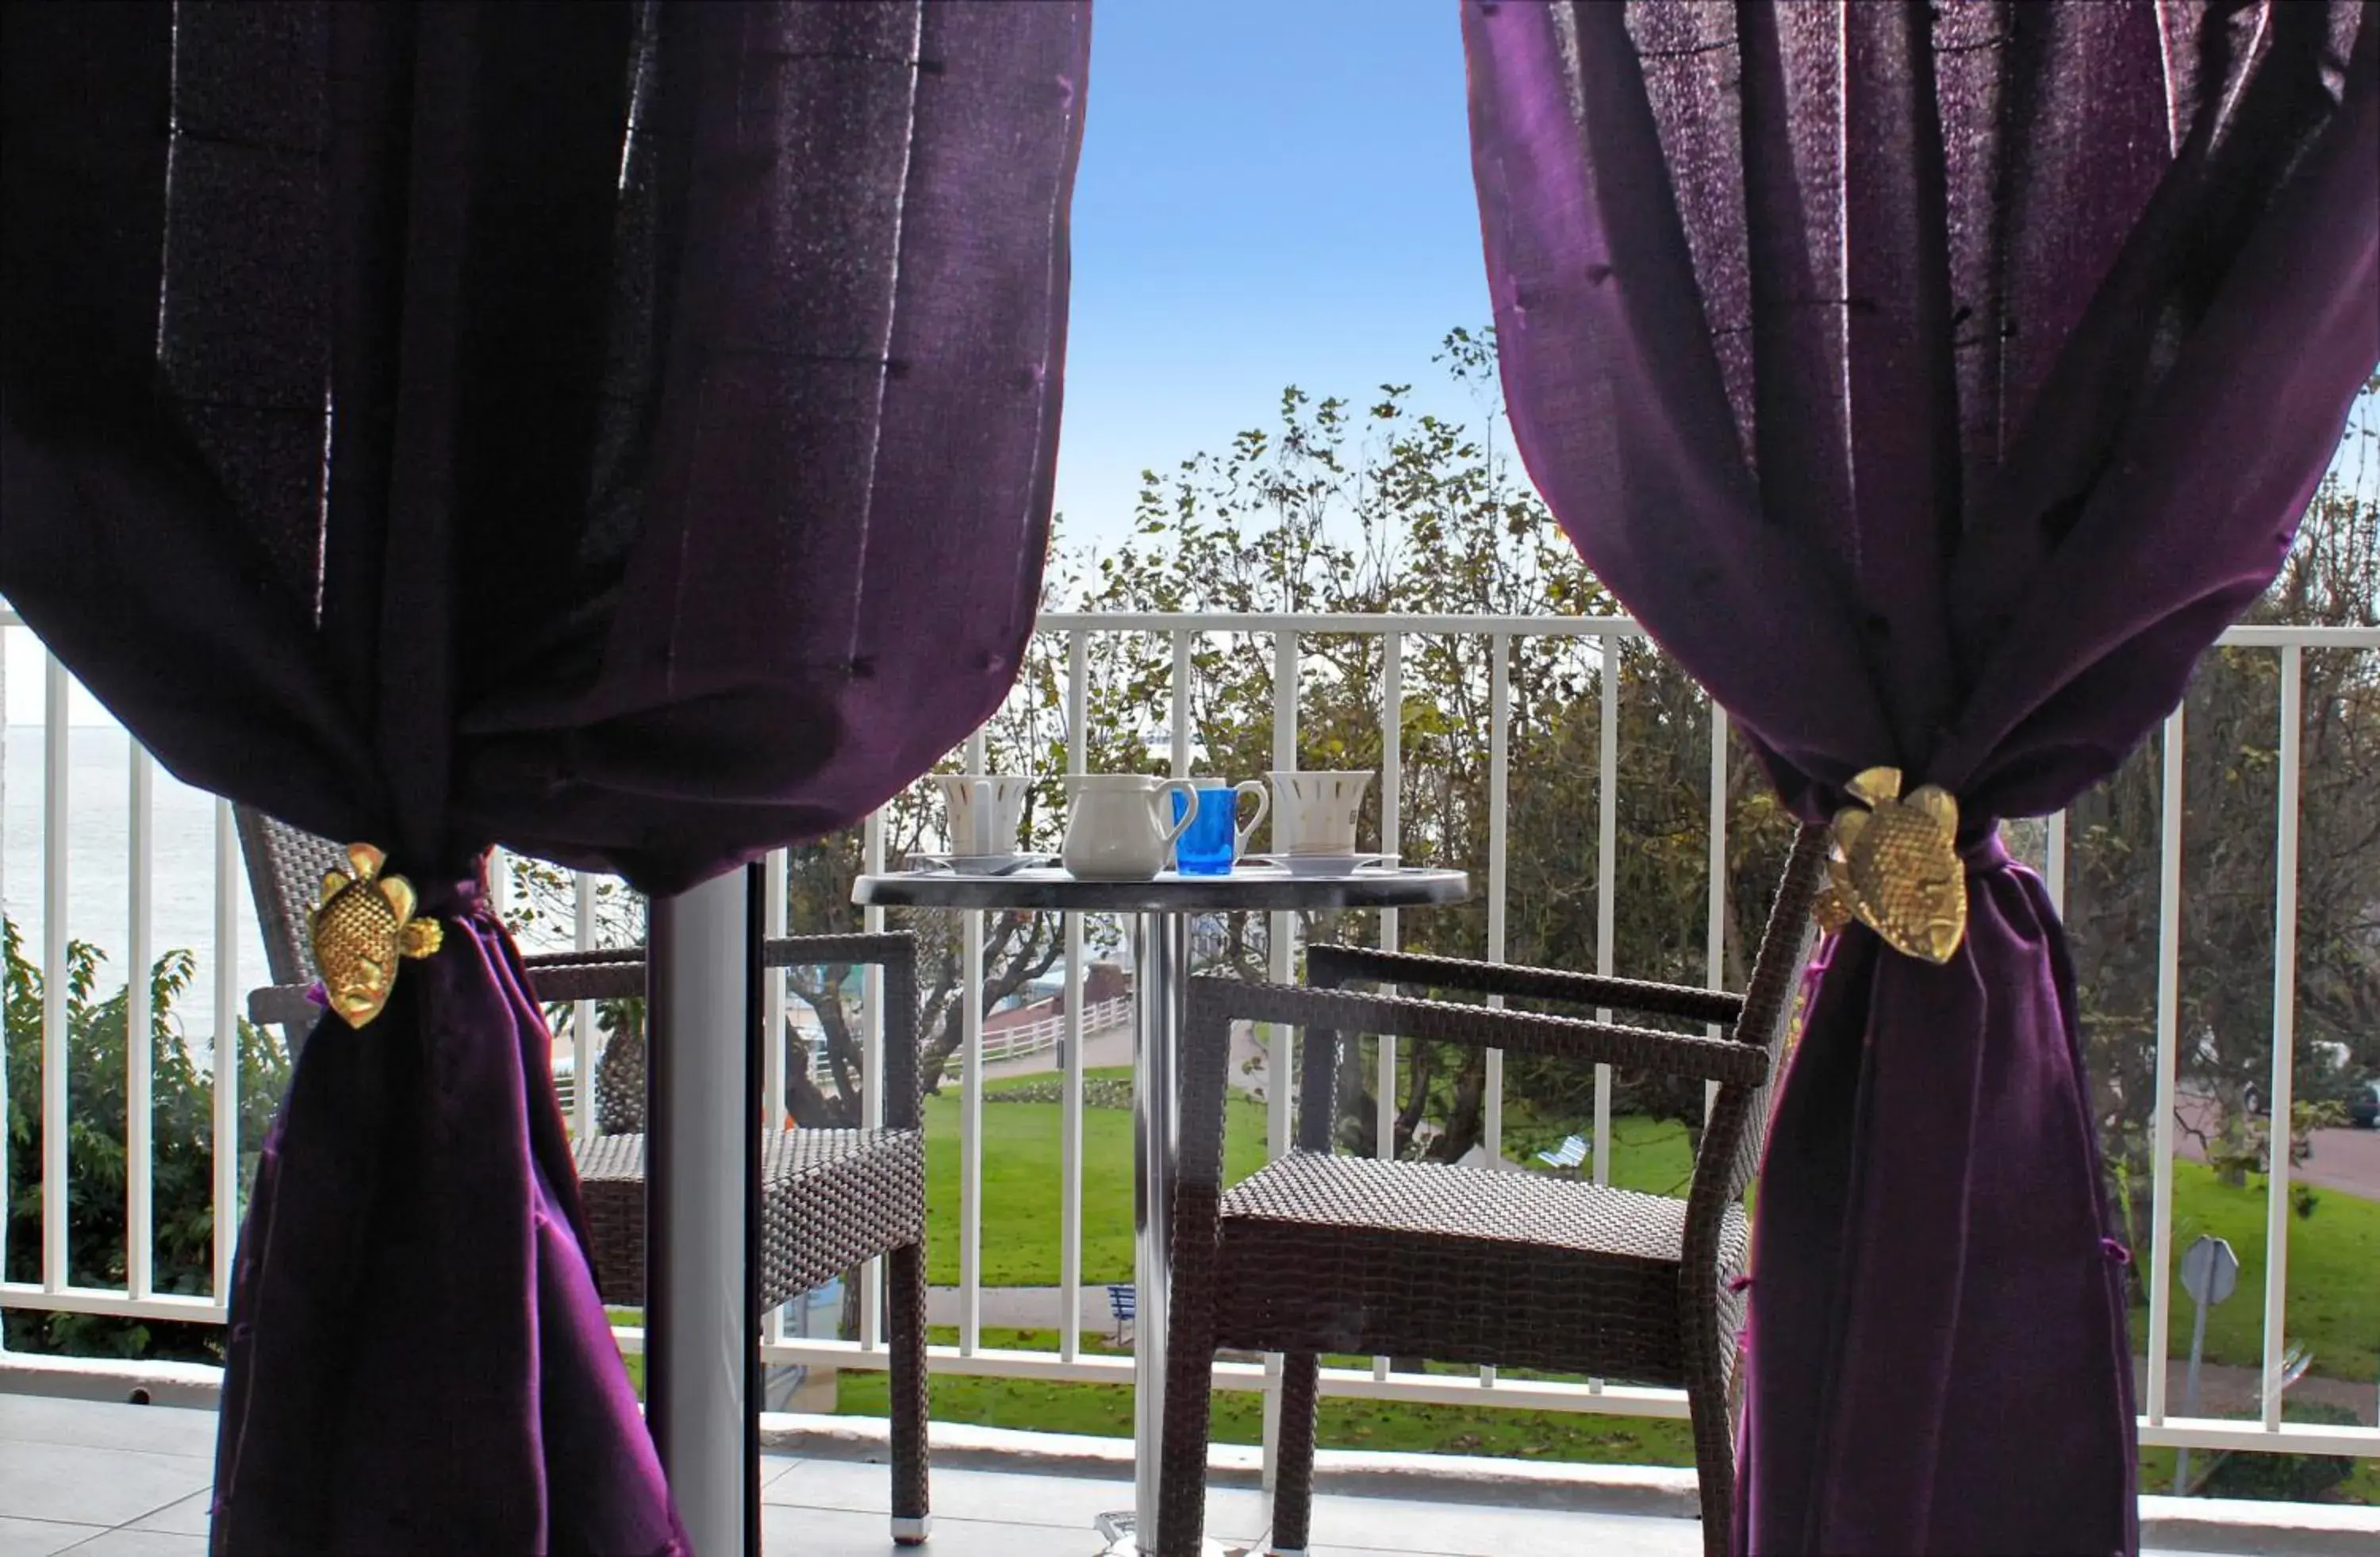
1160 908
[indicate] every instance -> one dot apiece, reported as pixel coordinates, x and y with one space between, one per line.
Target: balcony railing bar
54 1290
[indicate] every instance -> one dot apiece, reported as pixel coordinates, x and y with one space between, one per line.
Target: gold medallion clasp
1894 866
364 926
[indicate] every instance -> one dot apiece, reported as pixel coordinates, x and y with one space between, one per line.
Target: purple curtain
621 432
1935 382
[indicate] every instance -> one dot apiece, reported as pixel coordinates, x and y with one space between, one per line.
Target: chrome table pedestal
1161 909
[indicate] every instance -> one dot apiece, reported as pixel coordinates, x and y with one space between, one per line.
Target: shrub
2284 1478
182 1160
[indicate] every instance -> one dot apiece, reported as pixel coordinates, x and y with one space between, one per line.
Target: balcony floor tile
109 1480
42 1538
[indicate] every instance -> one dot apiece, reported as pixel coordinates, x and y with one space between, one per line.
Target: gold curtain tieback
1893 865
363 928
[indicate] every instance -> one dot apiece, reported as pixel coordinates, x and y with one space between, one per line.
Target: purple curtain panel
624 432
1935 382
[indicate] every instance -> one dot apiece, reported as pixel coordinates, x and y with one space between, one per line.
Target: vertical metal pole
2279 1137
971 1100
226 1052
2053 865
584 1039
1392 733
773 1040
1499 720
871 1026
140 1043
1160 959
1280 1062
1606 869
698 1329
1715 923
1280 1073
2169 1024
1070 1110
2190 1395
1499 723
54 773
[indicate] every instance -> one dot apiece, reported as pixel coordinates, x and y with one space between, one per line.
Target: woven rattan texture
830 1200
1328 966
285 868
1346 1254
1318 1253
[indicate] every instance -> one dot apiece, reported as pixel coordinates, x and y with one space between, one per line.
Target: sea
98 864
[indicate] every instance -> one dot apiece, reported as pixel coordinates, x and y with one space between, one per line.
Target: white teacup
1315 813
1120 825
987 812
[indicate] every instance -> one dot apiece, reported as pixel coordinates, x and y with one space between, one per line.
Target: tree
182 1150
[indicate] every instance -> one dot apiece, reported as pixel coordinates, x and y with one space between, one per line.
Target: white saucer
1324 864
973 864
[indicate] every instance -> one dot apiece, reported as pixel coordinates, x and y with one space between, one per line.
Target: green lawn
2333 1306
1023 1180
1105 1411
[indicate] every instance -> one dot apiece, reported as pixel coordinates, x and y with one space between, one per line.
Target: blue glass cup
1213 839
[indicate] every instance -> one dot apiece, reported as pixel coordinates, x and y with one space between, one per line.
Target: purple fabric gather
1935 382
624 432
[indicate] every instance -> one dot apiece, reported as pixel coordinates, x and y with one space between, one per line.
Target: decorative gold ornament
1895 865
1833 910
364 926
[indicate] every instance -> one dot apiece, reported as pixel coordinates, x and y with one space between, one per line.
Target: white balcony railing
231 926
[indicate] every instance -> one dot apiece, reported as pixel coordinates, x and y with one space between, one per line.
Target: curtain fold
621 432
1935 382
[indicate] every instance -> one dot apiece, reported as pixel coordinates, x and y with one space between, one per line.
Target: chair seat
1351 1254
830 1200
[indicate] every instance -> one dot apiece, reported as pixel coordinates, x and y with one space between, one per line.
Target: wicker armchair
830 1200
1320 1253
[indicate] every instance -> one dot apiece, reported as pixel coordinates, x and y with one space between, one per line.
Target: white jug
1118 828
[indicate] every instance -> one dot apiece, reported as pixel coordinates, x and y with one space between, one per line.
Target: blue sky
1271 192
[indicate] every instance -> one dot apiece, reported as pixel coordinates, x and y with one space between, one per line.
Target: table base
1116 1530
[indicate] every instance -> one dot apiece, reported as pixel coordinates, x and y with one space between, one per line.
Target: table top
1255 888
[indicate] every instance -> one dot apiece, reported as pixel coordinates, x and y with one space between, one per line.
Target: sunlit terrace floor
102 1479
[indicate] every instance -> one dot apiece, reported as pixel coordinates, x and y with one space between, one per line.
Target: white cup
987 812
1315 813
1119 825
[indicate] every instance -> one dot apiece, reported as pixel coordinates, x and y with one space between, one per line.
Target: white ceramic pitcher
1119 825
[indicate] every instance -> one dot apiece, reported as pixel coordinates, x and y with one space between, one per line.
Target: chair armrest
1332 965
1722 1060
284 1005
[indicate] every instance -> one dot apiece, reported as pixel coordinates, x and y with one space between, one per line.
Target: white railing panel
1607 636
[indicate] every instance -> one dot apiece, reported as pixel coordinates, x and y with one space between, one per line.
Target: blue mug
1212 842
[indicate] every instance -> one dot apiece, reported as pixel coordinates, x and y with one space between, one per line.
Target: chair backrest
1776 969
285 867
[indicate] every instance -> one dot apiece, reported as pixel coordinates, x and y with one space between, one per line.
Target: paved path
1111 1048
2344 1159
1024 1307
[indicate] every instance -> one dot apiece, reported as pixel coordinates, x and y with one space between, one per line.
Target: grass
1023 1180
1105 1411
2333 1303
